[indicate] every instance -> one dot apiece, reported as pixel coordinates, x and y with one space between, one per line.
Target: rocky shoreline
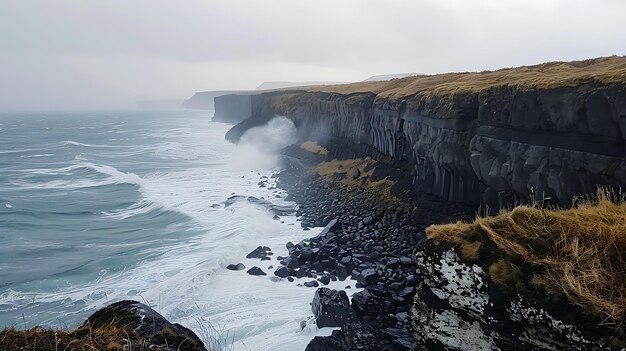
415 295
368 239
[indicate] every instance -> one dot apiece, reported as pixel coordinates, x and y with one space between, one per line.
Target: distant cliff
554 130
204 100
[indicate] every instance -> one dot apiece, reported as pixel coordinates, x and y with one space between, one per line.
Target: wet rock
282 272
368 277
256 271
312 284
259 252
331 308
325 279
149 327
236 267
292 262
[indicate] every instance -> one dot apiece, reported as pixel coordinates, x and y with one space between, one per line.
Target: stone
325 279
368 277
256 271
148 327
282 272
331 308
292 262
332 225
355 173
236 267
259 252
312 284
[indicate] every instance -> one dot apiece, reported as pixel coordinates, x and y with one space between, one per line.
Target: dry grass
86 338
109 338
342 170
578 252
604 70
312 146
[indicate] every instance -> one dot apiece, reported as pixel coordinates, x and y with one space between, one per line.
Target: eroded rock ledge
551 131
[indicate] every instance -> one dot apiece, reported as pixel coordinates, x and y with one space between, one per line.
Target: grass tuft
579 252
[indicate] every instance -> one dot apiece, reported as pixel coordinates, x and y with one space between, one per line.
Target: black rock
148 326
325 279
331 308
256 271
259 252
404 343
236 267
312 284
332 225
368 277
292 262
282 272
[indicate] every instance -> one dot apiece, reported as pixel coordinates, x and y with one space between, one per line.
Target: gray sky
71 54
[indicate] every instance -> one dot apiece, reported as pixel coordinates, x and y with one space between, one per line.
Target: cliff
551 131
203 100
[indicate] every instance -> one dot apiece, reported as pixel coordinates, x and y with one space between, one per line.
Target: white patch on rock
545 327
462 285
451 330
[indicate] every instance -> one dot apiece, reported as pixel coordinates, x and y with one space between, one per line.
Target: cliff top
603 70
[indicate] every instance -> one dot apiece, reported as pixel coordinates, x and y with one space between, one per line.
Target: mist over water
259 146
101 207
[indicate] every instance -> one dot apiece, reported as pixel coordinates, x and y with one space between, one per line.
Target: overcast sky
71 54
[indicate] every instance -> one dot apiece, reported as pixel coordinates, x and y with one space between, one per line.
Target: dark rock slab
331 308
259 252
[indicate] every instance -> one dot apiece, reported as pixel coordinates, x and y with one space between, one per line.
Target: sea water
104 206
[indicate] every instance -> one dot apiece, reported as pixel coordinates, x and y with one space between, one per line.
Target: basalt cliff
545 134
552 131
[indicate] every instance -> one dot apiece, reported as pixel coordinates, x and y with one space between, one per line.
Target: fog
73 54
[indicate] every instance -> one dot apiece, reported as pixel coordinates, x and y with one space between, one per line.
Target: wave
36 156
17 151
114 176
75 143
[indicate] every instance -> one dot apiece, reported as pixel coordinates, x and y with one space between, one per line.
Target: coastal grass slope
577 253
603 70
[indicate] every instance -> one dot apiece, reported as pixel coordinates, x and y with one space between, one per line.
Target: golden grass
86 338
312 146
110 338
604 70
578 252
342 170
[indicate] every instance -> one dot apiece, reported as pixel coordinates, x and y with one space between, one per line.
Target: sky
79 54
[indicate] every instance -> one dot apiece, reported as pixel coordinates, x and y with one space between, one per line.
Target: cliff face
204 100
498 144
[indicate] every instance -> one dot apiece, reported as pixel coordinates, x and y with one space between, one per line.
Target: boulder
147 324
256 271
236 267
331 308
259 252
282 272
368 277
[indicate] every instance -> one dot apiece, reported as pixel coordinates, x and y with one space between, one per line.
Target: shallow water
99 207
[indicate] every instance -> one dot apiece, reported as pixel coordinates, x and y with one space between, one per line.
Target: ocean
98 207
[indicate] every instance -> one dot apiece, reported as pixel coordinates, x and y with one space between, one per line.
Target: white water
182 276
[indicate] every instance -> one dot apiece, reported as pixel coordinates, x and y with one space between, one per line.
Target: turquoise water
99 207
